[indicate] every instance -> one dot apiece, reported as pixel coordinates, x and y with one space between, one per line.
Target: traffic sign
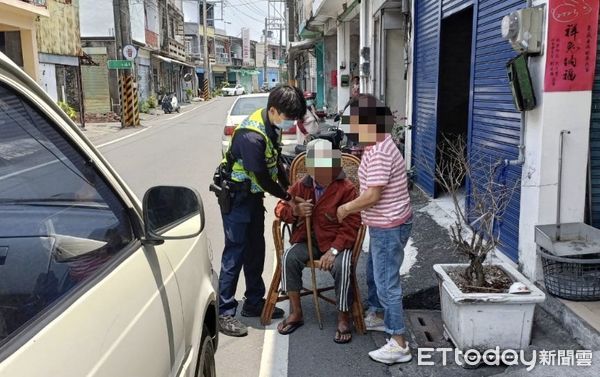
129 52
120 64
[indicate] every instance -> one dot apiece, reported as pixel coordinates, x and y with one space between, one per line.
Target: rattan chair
350 165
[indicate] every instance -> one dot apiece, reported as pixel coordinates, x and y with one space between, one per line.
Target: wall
395 87
96 18
330 64
47 79
555 112
59 34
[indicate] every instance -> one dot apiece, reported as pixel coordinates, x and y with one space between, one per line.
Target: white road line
274 359
146 129
122 138
275 352
28 169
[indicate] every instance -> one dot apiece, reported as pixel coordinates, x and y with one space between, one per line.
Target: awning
169 60
218 68
199 70
302 45
247 72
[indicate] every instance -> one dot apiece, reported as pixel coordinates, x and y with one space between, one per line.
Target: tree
475 231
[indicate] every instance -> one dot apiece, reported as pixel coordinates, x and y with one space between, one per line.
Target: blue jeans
244 248
386 253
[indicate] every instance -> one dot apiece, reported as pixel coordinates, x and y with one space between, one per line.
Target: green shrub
68 109
189 93
144 106
152 102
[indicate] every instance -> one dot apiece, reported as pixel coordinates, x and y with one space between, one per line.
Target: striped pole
130 114
205 90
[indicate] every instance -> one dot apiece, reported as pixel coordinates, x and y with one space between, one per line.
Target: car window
248 105
60 222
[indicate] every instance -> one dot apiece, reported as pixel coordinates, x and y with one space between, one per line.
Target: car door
79 294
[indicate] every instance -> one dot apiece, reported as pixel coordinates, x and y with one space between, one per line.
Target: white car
241 108
237 90
93 282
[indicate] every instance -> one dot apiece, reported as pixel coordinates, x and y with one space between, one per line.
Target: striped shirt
383 165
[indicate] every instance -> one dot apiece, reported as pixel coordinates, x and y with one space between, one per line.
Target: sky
243 13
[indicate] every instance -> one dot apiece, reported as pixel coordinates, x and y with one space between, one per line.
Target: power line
245 14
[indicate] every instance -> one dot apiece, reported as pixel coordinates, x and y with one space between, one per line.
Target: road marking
274 359
122 138
27 170
146 129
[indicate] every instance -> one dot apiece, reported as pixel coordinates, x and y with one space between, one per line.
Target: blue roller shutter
495 123
449 7
595 145
426 66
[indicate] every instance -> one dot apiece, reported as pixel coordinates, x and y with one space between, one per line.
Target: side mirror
172 213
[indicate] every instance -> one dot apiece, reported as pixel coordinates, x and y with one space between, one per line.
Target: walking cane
312 271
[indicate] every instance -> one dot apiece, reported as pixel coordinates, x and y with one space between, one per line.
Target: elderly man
318 195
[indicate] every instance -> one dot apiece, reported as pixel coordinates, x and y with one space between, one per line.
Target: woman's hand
342 213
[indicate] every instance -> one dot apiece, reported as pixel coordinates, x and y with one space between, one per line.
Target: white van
93 282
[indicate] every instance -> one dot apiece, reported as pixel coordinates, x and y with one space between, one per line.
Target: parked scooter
169 103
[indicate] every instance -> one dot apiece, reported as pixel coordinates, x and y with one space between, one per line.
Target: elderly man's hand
303 208
327 261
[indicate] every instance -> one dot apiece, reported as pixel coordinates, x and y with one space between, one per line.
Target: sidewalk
430 244
99 133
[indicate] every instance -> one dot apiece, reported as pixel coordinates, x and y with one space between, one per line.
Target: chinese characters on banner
246 46
572 42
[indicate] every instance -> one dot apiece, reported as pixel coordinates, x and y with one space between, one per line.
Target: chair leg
271 299
316 296
357 309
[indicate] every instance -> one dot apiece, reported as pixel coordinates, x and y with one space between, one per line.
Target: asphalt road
184 149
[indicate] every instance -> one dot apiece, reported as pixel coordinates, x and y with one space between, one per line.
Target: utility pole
206 84
130 115
265 55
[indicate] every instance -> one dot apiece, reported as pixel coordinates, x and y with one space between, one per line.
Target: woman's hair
371 110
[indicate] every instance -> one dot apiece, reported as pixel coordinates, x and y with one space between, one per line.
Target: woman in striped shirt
385 206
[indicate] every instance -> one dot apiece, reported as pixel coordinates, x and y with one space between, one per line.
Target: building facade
18 32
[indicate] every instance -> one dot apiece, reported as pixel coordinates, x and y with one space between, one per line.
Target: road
184 149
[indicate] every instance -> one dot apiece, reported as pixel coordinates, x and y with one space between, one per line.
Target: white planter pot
487 320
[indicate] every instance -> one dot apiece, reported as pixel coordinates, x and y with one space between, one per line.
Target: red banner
571 48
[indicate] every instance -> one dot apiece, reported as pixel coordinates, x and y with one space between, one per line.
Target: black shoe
256 311
228 325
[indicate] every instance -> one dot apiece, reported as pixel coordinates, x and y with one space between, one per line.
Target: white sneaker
374 323
391 353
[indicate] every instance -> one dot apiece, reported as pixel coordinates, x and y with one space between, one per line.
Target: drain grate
426 326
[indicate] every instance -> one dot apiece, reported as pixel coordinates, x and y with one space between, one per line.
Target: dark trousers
294 262
244 230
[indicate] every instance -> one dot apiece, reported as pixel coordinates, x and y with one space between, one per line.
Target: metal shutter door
95 85
426 65
496 124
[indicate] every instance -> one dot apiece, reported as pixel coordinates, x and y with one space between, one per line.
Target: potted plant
478 312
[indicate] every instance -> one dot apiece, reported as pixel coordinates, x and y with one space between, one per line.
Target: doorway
454 80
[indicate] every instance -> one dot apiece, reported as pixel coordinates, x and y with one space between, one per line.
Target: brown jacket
328 232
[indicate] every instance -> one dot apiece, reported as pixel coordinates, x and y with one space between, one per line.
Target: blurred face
367 123
323 163
280 119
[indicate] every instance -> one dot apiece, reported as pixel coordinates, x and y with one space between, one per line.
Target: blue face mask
286 124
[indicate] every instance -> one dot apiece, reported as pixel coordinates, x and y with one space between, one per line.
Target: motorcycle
169 103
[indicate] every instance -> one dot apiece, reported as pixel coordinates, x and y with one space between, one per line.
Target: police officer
253 156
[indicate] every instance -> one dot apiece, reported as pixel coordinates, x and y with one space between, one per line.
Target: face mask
309 103
286 124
